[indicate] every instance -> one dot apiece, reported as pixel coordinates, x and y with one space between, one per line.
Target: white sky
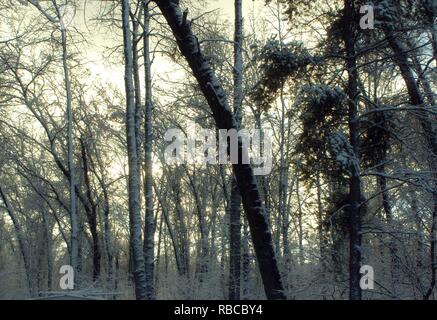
113 73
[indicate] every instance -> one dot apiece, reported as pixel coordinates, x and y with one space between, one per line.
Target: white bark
135 227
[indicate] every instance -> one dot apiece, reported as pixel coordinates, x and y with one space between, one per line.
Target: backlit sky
98 41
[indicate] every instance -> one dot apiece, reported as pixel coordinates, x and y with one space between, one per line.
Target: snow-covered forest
345 90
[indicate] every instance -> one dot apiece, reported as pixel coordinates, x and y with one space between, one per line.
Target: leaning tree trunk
416 99
135 228
217 100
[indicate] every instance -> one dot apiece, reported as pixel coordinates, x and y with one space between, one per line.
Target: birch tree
135 228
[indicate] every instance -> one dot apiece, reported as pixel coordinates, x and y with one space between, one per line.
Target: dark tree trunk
182 235
149 227
48 249
416 99
355 181
245 270
386 204
234 242
217 100
202 264
91 211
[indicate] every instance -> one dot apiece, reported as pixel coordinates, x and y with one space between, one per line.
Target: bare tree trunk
355 180
171 234
107 238
394 263
137 84
419 230
235 242
184 248
283 186
299 222
424 79
204 250
322 238
149 235
245 270
434 41
216 97
48 249
73 210
157 278
134 172
108 245
117 271
416 99
91 213
235 216
430 17
21 242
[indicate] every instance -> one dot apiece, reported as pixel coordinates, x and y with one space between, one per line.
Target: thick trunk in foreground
135 229
354 181
217 100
